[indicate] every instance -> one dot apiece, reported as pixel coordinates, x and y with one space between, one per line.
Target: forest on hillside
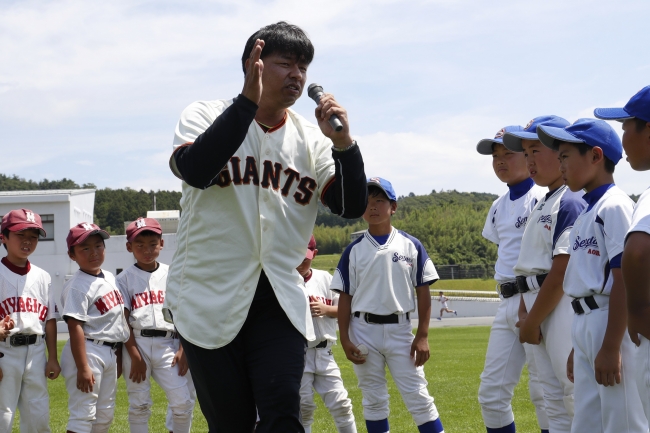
448 223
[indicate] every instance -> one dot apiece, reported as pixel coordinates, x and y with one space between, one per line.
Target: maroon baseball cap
81 231
310 248
140 225
22 219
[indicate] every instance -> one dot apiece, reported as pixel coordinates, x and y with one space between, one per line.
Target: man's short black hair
280 37
148 233
375 191
640 124
583 148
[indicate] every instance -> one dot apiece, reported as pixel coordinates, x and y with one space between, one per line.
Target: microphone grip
335 122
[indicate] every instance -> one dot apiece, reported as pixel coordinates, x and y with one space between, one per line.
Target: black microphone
314 91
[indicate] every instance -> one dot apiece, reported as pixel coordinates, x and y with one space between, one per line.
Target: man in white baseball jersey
635 262
444 307
28 309
93 308
321 371
153 349
378 277
545 311
601 363
253 171
504 225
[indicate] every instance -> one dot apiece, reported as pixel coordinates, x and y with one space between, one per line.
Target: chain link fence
461 272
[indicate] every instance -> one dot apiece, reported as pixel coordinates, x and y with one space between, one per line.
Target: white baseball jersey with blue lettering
596 242
506 222
318 287
547 231
381 278
144 294
641 216
97 302
27 299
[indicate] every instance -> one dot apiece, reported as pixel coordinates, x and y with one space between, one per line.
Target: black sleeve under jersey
202 161
347 196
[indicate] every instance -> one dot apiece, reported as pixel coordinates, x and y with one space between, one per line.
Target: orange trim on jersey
327 185
268 129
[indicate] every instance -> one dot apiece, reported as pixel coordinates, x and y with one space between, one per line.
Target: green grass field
457 357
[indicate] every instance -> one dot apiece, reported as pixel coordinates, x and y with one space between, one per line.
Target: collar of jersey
16 269
376 244
596 194
555 191
520 189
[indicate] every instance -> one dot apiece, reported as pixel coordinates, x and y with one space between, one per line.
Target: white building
62 209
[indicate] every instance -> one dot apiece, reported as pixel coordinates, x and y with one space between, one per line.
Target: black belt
589 300
156 333
23 339
522 284
321 345
113 346
378 319
508 290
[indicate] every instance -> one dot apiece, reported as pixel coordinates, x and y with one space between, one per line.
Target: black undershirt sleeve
201 162
347 196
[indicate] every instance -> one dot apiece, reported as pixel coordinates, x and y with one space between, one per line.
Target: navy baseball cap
512 140
638 106
592 132
484 147
384 185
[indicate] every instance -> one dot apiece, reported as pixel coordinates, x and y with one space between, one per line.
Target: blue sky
92 91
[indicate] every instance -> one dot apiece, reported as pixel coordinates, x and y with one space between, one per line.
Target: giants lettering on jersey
22 305
320 299
139 300
274 175
587 244
401 258
108 301
521 222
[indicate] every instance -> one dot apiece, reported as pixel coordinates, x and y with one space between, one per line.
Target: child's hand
52 369
317 308
638 325
181 360
138 371
420 350
6 325
607 366
85 379
353 353
569 366
530 334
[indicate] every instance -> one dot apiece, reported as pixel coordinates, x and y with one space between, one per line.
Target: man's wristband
345 149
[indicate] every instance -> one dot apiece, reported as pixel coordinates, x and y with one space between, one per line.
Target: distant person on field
445 308
321 371
378 277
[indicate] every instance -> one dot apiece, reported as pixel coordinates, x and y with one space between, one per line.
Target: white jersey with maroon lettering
144 294
265 197
27 299
98 303
318 287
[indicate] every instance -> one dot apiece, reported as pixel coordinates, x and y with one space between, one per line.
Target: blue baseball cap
384 185
592 132
638 106
484 147
512 140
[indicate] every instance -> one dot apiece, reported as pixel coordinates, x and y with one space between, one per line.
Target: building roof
47 192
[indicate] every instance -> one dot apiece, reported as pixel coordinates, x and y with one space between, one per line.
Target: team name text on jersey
22 305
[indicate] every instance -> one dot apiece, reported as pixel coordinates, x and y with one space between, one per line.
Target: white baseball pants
642 361
550 359
92 411
24 386
504 361
158 353
598 408
390 345
323 375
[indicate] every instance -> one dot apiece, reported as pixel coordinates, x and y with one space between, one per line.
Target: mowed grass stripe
457 357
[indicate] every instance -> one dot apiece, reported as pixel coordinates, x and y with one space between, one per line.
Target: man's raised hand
254 68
